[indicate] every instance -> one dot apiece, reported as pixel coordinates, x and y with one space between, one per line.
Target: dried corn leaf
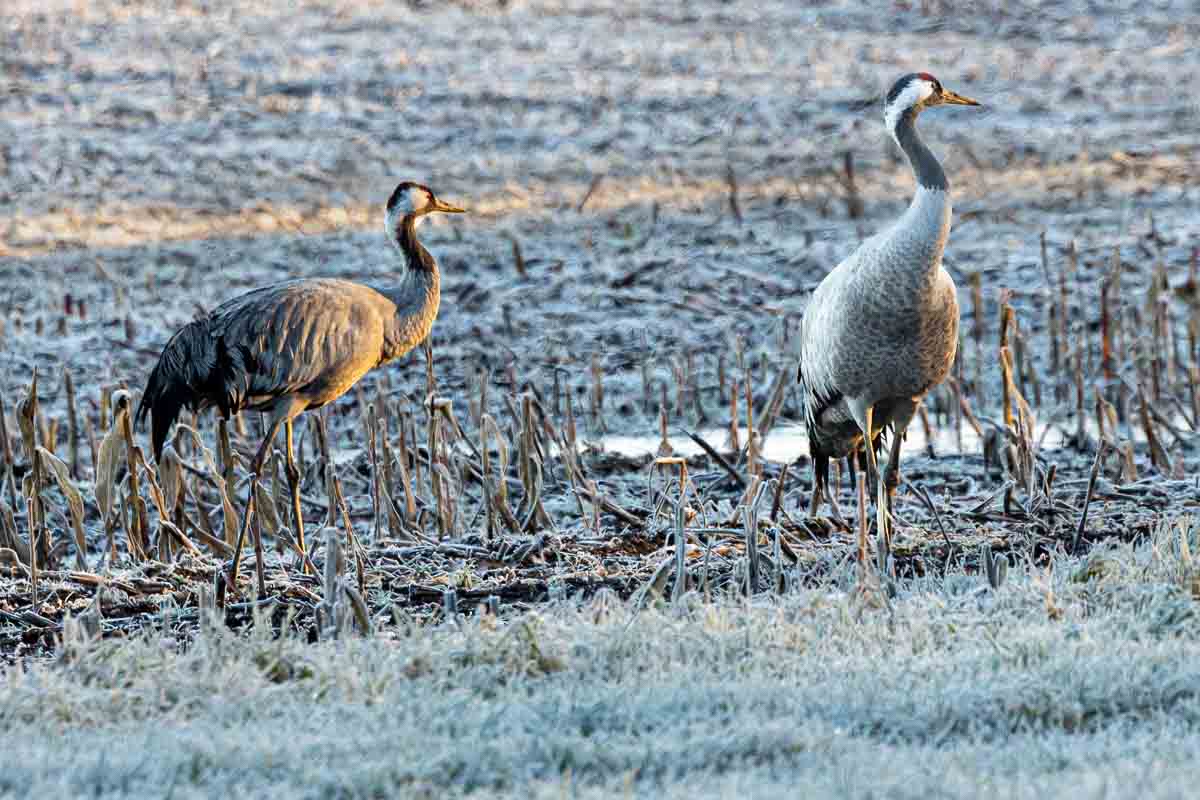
170 473
132 508
11 559
106 465
178 535
27 415
8 533
359 606
265 505
62 476
333 563
218 479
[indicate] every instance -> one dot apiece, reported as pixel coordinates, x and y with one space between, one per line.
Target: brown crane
294 346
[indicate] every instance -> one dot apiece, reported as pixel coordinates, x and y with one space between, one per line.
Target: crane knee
891 478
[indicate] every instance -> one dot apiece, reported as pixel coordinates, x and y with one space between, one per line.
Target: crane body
298 345
881 329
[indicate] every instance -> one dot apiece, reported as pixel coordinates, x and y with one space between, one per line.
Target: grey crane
881 329
294 346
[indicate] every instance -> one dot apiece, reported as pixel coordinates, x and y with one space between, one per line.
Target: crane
298 345
881 329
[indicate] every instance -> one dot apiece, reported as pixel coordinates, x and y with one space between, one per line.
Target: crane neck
925 226
420 287
416 257
925 166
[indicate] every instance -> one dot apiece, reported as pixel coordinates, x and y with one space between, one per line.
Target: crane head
915 92
415 200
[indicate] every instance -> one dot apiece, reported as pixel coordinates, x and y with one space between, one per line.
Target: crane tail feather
167 392
186 375
168 403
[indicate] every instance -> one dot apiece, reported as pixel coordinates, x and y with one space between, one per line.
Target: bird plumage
881 329
300 344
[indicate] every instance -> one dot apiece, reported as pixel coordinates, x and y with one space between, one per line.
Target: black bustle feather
185 377
164 398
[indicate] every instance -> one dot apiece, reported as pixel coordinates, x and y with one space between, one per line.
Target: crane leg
836 509
864 415
864 464
859 458
891 473
820 482
901 418
260 457
256 468
293 475
868 445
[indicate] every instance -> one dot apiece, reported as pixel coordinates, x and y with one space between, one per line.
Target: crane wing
295 337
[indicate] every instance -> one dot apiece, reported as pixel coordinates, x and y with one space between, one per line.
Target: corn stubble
507 497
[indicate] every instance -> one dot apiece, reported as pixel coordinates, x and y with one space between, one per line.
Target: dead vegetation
1072 677
595 441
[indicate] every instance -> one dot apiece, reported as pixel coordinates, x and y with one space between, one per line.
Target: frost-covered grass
1079 679
157 157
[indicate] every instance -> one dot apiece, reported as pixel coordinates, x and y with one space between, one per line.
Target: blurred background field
655 189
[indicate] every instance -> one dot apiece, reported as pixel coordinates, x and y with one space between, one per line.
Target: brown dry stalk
532 459
965 407
225 450
863 563
664 445
139 523
670 461
396 527
780 486
31 511
735 443
592 187
241 535
1087 499
27 410
377 489
518 257
1158 454
435 475
732 183
1080 431
61 473
105 406
406 480
496 488
597 394
338 498
430 380
1106 356
1007 386
6 449
72 423
1194 391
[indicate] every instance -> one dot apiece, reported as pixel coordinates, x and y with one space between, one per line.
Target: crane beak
438 205
955 99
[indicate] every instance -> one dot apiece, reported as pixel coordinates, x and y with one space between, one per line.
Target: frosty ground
655 189
1079 679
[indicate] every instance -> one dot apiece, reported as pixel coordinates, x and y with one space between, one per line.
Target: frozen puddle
786 444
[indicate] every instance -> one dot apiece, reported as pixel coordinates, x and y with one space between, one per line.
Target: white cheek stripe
914 93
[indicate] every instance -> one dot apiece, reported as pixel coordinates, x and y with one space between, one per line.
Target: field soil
525 575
